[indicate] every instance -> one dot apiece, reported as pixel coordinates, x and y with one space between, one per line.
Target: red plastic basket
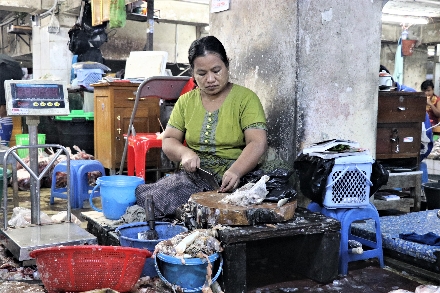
88 267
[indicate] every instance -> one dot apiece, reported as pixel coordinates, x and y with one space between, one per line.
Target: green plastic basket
23 139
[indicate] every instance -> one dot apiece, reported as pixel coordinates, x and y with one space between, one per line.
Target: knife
208 177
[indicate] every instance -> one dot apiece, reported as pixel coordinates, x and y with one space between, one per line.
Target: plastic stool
79 183
347 217
138 147
314 207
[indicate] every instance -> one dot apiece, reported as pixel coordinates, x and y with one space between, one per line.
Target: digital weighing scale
34 98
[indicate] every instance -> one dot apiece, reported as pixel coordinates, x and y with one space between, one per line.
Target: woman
432 102
223 125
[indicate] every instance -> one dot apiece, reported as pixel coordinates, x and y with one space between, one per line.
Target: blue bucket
190 276
128 236
117 194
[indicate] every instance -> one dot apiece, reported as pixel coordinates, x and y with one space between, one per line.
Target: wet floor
363 276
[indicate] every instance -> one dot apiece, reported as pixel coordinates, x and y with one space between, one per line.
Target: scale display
36 98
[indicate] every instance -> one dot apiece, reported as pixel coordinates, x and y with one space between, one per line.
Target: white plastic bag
21 217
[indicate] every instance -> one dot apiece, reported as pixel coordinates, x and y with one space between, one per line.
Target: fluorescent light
404 19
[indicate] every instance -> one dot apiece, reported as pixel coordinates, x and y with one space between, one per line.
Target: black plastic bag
92 54
379 177
313 172
78 40
277 185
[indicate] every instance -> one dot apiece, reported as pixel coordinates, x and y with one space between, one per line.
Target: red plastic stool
138 146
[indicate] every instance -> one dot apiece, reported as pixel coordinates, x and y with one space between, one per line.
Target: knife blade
208 177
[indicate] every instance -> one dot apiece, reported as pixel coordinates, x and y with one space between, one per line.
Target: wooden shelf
20 30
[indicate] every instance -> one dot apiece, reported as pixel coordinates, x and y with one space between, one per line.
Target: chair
79 182
347 217
137 145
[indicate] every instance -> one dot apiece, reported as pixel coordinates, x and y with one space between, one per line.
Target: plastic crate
348 185
23 139
86 77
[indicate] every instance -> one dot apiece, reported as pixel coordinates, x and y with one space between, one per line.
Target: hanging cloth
398 63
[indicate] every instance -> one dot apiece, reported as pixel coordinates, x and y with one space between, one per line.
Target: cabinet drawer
394 107
406 135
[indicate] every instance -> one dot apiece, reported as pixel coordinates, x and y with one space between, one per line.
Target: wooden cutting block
207 209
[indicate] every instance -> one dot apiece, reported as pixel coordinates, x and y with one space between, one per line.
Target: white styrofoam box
145 64
348 185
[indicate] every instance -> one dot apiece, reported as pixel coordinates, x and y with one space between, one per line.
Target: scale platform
21 241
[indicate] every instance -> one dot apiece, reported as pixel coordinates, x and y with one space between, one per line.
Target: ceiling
418 8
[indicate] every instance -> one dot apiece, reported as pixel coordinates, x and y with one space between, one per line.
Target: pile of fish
249 194
197 243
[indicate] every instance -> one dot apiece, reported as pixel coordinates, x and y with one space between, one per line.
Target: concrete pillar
314 65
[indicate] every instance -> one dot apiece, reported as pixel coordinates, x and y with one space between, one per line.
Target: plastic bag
62 217
78 40
313 172
277 185
379 177
21 217
118 14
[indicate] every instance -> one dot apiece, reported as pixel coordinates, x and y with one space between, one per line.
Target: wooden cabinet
399 127
113 103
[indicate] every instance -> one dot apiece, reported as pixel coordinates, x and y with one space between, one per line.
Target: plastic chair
138 144
138 147
347 217
79 183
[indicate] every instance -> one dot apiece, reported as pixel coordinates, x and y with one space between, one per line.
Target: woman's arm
436 108
172 145
256 145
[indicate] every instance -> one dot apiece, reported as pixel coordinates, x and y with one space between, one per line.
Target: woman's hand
190 160
230 181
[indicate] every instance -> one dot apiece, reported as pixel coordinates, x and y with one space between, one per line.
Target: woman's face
210 73
429 91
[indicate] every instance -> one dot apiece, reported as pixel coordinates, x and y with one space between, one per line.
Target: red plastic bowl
88 267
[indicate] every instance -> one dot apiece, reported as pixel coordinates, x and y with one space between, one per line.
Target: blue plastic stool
347 217
79 183
314 207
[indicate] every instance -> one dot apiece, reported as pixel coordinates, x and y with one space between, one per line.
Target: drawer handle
401 108
132 99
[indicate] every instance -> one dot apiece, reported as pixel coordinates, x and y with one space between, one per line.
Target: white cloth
425 140
398 63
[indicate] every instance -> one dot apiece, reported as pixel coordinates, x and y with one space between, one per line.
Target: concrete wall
314 65
173 38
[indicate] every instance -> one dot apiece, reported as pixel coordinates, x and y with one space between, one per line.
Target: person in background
432 102
222 124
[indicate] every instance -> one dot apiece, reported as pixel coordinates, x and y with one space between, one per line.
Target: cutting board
209 211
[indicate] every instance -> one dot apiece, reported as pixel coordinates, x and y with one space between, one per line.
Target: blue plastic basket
128 236
348 185
86 77
191 275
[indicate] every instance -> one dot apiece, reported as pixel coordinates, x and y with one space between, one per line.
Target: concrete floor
364 276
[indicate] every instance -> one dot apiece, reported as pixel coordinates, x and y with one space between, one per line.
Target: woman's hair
205 45
426 84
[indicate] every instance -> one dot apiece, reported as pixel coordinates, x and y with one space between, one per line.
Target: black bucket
432 192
